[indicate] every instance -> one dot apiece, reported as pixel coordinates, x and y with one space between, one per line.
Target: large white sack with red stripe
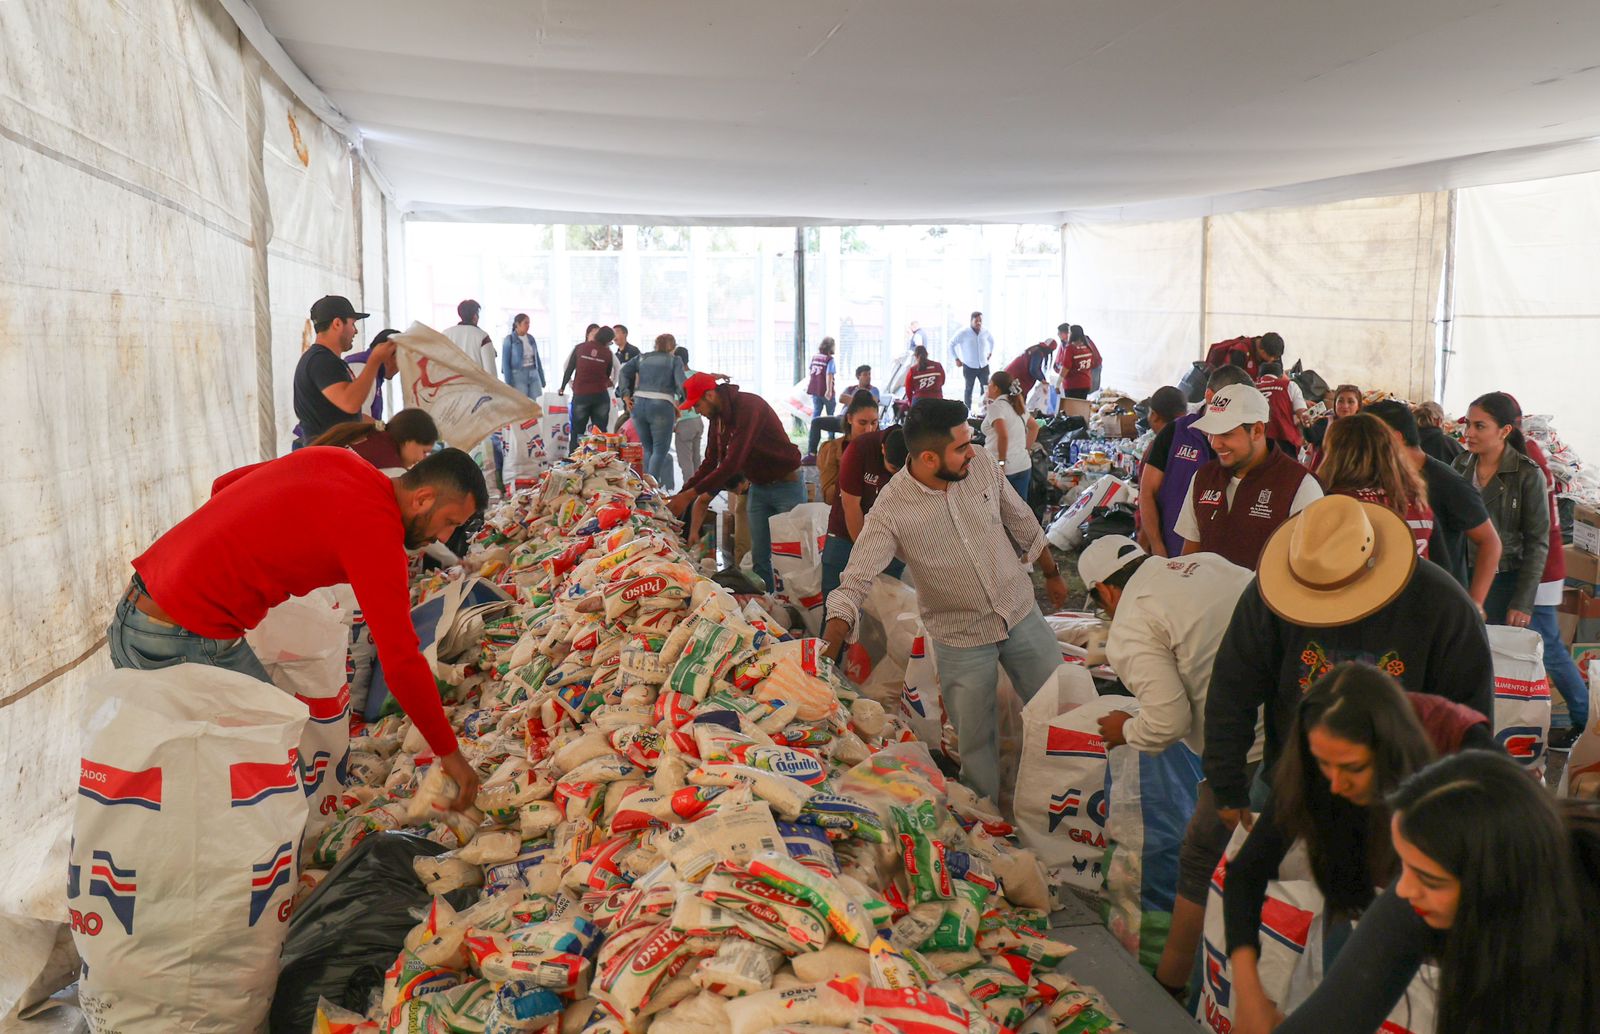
1291 963
466 402
183 860
797 539
527 452
1064 532
1521 695
304 643
1060 796
885 634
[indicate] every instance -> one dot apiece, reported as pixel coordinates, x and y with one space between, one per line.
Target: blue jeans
836 552
1021 481
978 375
590 410
654 420
526 380
968 680
1558 662
763 503
832 424
686 434
139 641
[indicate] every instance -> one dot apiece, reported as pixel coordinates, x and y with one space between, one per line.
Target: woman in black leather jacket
1514 491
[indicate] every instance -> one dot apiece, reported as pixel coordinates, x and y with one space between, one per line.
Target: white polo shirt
1164 639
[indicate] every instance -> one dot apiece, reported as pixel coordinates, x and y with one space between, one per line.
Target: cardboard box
1583 569
1568 623
1077 407
1579 603
1586 529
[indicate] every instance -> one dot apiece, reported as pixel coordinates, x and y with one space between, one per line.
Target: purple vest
1190 451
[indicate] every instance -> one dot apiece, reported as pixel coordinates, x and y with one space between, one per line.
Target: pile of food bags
688 820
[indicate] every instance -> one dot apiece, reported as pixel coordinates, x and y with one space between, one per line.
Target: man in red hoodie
746 441
283 528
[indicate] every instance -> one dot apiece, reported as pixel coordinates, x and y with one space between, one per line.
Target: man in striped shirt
968 540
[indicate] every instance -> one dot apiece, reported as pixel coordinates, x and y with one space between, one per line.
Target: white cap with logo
1105 556
1233 406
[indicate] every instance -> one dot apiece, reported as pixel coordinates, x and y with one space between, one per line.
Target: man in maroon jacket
1238 499
746 441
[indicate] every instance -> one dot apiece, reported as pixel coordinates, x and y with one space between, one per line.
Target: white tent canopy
184 177
942 110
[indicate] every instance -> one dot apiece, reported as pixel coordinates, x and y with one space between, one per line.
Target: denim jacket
511 357
660 373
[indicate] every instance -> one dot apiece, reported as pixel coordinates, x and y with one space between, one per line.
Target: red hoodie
316 517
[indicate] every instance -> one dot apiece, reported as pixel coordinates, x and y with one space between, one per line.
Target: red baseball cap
695 387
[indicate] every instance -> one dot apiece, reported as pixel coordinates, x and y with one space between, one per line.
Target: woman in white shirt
1008 431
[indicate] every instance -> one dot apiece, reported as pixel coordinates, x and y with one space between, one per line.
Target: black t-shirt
1161 447
319 368
1457 509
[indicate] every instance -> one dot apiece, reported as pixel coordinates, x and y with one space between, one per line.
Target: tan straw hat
1335 562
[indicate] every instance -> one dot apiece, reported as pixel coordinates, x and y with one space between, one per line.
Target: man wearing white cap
1167 620
1338 582
1240 498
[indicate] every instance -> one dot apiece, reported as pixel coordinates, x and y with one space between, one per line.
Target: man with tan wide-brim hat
1338 581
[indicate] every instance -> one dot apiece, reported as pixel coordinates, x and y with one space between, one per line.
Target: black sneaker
1562 739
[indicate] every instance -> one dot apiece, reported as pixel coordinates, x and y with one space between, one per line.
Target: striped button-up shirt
969 548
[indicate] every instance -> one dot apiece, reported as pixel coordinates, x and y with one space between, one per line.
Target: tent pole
1064 313
1205 280
799 302
1447 317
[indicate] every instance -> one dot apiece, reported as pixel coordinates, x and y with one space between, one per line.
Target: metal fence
728 295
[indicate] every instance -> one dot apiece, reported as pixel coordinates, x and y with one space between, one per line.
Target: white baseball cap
1233 406
1105 556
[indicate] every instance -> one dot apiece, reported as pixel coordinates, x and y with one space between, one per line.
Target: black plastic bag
1193 383
1312 385
1116 519
347 933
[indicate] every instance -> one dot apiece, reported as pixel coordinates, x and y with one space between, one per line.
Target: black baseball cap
335 307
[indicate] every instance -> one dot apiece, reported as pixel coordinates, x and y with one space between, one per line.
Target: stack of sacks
689 820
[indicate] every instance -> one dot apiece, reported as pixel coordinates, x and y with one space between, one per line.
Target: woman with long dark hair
1356 736
1514 491
1362 459
394 446
1347 401
520 365
1008 431
1499 884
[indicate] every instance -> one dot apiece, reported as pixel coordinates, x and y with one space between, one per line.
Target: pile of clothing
689 820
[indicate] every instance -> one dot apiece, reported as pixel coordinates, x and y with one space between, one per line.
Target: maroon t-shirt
861 473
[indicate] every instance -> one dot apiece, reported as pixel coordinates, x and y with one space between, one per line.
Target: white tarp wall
1135 288
1527 302
135 276
1352 287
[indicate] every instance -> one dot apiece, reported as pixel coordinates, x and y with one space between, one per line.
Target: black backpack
1116 519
